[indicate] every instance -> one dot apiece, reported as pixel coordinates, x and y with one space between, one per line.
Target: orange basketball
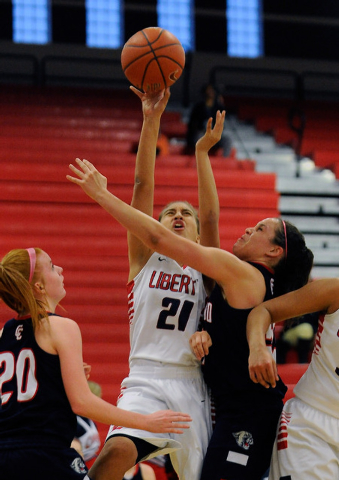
153 59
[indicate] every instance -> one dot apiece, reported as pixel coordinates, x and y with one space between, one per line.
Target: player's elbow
155 237
79 407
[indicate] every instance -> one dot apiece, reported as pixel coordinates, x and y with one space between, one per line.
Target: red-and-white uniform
307 445
165 304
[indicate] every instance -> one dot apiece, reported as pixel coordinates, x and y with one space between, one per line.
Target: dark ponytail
293 270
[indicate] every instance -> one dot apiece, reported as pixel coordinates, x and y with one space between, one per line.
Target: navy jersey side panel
226 365
34 409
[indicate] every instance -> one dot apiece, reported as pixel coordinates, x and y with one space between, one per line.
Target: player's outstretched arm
153 106
317 296
261 364
209 208
215 263
66 341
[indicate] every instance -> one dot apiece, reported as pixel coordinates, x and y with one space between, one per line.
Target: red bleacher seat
310 145
62 133
327 159
77 122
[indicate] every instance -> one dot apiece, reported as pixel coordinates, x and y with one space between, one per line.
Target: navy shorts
42 464
241 446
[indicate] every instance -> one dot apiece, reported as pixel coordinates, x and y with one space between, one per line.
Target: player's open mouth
178 225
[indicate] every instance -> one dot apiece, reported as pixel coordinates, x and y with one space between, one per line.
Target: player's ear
38 288
275 251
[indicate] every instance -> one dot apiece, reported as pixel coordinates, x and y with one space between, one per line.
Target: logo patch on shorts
78 465
236 457
243 439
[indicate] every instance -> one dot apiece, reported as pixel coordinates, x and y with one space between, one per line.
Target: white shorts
152 386
307 444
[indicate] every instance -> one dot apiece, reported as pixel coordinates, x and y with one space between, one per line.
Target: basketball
153 59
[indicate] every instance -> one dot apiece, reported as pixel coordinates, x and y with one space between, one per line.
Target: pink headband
284 225
32 262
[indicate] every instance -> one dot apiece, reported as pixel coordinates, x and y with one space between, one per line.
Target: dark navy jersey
34 409
226 366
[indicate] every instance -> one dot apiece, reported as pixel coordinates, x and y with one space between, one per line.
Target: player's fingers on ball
138 92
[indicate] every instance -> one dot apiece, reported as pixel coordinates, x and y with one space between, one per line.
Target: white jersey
319 386
165 302
307 442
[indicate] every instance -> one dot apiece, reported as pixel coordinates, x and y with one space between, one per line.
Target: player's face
52 280
256 241
180 219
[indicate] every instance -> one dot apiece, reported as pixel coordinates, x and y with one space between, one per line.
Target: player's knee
120 448
118 455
